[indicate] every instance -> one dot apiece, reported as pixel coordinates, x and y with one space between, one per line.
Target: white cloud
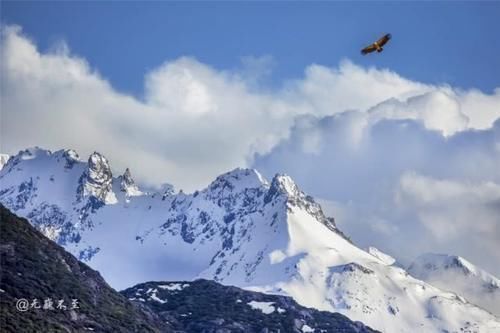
348 134
448 120
195 122
399 186
481 109
453 210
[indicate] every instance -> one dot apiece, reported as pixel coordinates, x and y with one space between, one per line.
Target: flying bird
377 46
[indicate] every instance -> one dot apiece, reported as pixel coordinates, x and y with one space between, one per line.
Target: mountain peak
96 181
71 154
285 184
98 167
456 274
285 187
435 261
97 158
238 179
127 184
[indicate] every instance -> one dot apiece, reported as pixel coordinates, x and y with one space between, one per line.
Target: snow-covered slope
381 255
456 274
240 230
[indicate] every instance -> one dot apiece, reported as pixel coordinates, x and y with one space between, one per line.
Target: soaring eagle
377 46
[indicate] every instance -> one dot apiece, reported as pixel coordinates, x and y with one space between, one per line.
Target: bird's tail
380 49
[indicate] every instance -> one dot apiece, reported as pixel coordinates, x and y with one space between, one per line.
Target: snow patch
173 286
156 298
265 307
307 329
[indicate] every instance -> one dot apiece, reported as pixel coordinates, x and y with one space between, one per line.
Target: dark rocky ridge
207 306
34 267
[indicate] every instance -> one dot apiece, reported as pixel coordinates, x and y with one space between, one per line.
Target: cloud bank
397 185
405 166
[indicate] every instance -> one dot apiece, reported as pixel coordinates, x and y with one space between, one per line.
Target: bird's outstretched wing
368 49
383 40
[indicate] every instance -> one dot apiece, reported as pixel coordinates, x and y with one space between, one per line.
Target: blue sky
448 42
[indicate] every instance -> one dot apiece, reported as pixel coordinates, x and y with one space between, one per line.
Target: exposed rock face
128 185
295 197
97 180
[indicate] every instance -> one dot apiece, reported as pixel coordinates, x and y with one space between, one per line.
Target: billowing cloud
360 138
194 122
398 185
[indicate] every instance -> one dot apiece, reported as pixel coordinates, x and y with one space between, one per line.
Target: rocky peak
285 184
279 188
99 169
127 184
238 182
126 180
70 154
239 178
283 187
127 176
71 157
96 181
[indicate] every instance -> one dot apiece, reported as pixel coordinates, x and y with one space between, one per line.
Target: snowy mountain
456 274
35 266
241 230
